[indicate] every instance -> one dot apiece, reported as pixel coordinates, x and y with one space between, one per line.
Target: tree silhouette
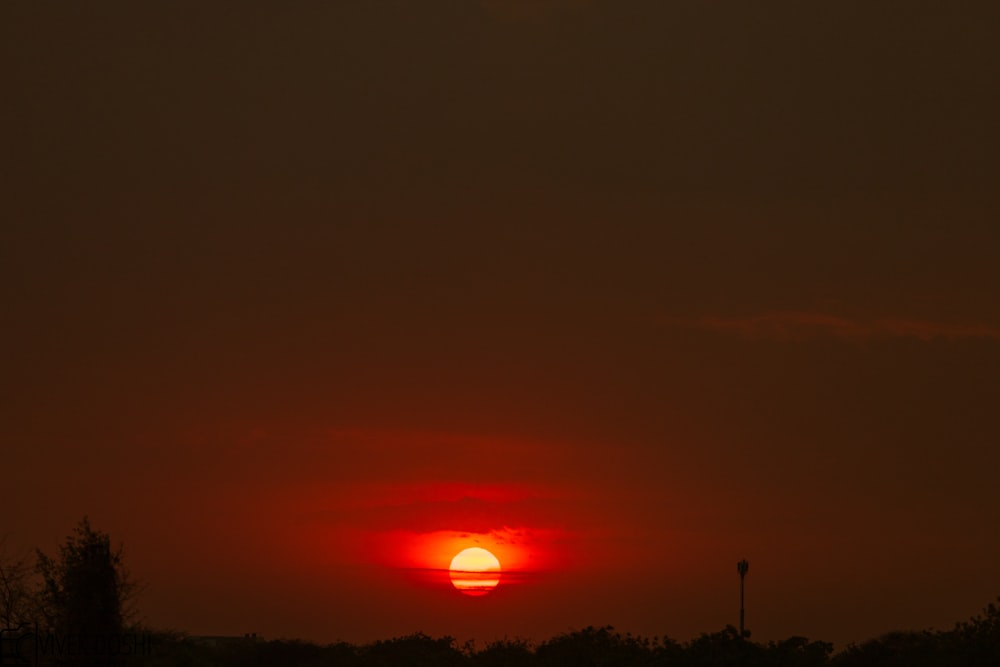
978 639
726 647
595 646
798 652
899 649
16 599
503 652
86 591
418 650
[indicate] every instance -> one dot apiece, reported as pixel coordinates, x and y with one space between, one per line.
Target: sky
300 299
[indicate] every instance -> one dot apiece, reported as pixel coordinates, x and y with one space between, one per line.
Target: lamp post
742 568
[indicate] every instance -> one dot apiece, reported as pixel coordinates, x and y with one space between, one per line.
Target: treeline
974 643
77 608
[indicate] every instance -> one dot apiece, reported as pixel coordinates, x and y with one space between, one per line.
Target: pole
742 611
742 568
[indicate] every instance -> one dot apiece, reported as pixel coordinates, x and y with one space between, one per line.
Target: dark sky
297 297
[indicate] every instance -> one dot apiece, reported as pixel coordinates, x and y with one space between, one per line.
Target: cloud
473 513
795 326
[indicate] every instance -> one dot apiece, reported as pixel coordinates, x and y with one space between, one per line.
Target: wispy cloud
466 514
793 326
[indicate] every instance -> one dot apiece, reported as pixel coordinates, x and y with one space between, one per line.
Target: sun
475 571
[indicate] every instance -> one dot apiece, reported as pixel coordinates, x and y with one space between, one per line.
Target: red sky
299 300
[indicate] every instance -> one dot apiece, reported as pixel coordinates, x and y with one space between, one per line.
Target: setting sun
475 571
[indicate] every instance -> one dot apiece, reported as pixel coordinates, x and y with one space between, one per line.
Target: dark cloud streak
808 325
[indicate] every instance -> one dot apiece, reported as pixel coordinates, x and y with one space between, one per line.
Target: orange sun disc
475 571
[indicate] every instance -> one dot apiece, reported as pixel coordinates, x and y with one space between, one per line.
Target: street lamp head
742 567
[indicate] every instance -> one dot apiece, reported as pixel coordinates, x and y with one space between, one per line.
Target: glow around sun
475 571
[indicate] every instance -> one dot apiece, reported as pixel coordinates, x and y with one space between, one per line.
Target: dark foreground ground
975 642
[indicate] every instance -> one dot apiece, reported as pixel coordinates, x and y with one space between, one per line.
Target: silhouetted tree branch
16 598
